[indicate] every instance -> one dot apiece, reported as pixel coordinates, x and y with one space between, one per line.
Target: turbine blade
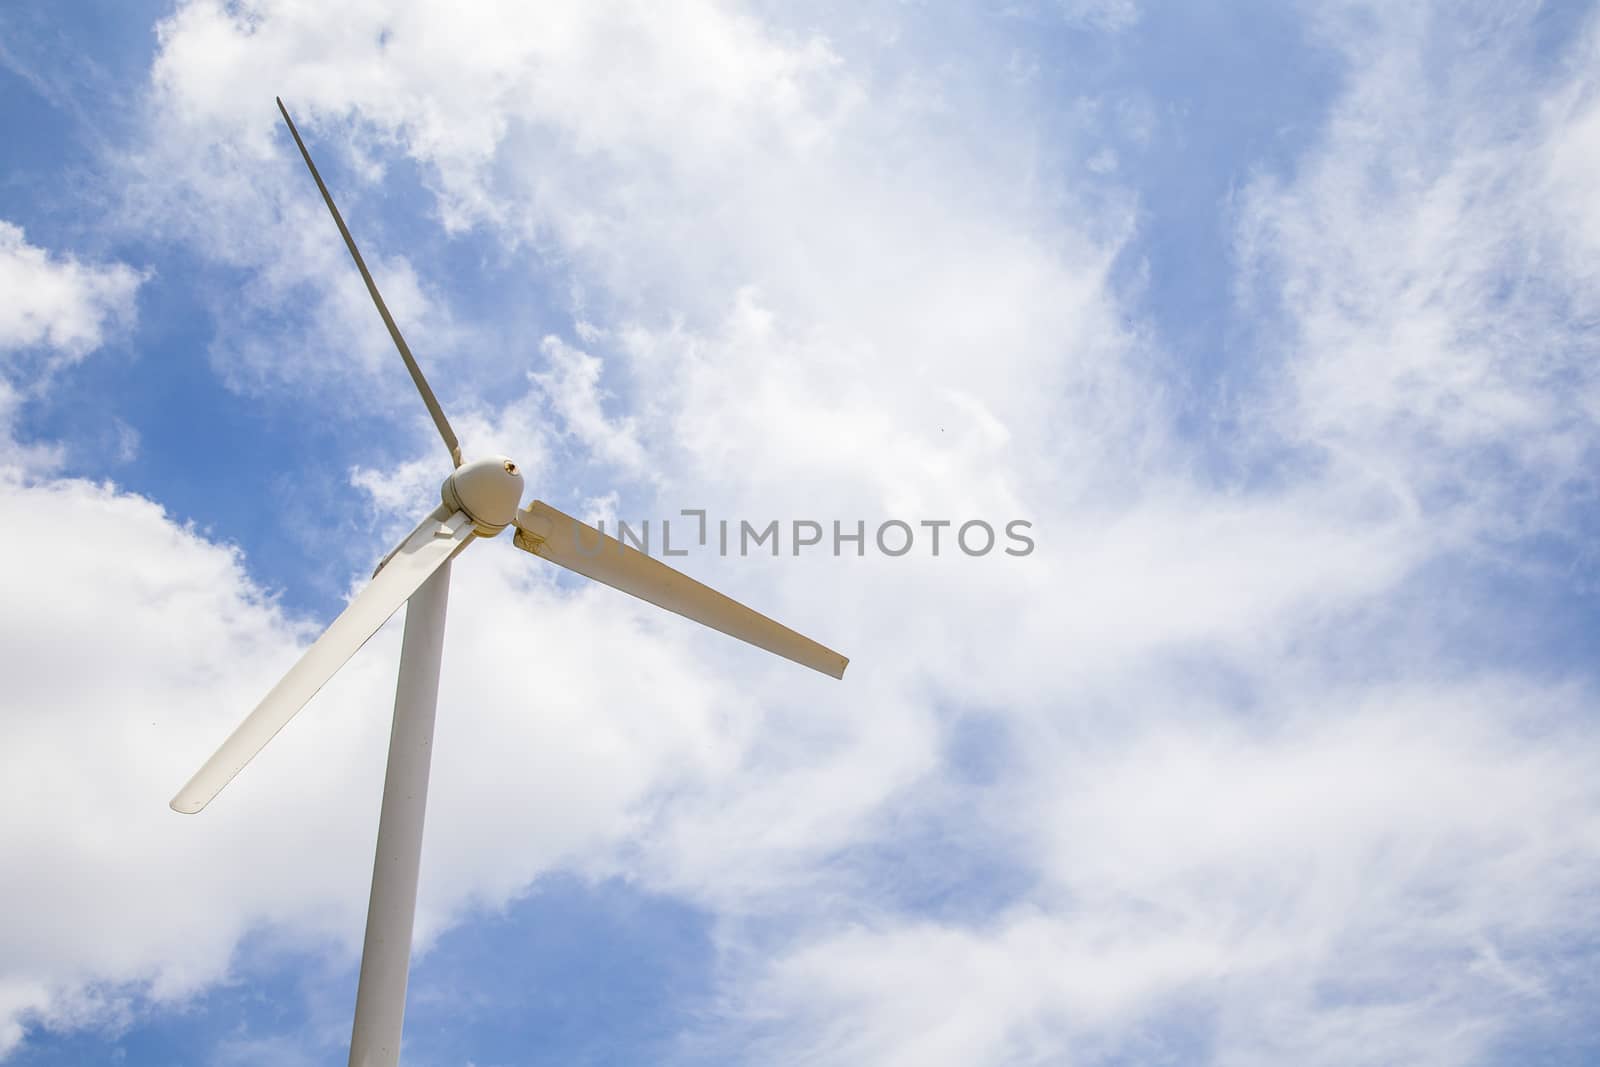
423 552
428 398
552 535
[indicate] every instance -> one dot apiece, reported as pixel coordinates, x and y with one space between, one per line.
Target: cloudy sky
1279 322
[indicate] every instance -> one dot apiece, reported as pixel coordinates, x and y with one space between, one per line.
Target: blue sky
1277 321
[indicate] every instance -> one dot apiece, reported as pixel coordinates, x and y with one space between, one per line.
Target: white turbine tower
479 500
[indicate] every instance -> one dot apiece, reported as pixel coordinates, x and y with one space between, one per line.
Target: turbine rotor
488 490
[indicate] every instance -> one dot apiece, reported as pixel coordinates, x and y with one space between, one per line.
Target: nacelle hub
488 490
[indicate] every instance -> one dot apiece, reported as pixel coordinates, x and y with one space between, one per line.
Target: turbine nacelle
489 490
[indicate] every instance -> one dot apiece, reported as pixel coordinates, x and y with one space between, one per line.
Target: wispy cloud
1432 263
56 305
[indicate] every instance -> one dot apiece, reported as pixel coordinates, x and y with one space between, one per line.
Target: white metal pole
386 955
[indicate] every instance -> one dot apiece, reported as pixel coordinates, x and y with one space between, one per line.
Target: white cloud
57 310
572 389
1433 262
1378 875
57 303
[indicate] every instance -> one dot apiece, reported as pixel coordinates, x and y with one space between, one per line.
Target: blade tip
185 805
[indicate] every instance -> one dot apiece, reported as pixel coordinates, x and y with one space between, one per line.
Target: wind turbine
478 501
